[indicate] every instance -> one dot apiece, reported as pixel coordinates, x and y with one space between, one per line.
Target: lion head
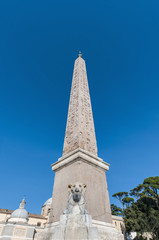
77 190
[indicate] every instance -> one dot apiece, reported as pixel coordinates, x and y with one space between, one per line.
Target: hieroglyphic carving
80 130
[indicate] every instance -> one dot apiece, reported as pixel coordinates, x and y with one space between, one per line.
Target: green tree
136 191
120 196
142 215
127 201
151 188
117 211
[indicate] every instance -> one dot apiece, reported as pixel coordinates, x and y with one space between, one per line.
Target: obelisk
80 162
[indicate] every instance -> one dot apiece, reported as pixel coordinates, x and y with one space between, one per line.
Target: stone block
8 230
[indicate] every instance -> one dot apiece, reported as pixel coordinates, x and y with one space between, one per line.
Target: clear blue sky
38 45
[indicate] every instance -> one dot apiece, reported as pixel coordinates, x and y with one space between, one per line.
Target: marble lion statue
76 201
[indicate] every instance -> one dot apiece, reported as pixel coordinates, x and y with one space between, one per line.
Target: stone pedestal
71 227
107 231
75 226
81 166
96 231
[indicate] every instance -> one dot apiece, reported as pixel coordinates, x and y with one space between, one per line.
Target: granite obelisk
80 162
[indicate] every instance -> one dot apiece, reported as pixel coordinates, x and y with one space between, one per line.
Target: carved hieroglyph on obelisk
80 162
80 131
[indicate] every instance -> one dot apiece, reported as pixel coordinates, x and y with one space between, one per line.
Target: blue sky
38 45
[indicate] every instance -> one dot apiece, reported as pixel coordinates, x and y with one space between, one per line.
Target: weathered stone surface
97 197
80 163
75 223
30 233
80 125
107 231
75 226
83 154
80 233
19 231
8 230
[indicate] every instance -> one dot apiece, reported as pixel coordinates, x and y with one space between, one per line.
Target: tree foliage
141 213
120 196
117 211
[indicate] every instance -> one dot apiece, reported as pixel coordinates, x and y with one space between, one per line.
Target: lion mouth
76 197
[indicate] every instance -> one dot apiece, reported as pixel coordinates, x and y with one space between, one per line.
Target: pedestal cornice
82 155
